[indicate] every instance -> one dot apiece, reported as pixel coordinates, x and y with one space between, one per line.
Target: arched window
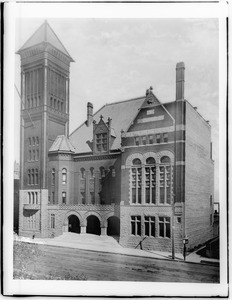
33 198
165 159
102 172
53 176
29 155
58 104
32 176
91 172
64 176
82 173
136 180
33 158
36 197
29 176
36 176
150 181
37 154
136 162
33 141
37 140
165 180
29 197
29 141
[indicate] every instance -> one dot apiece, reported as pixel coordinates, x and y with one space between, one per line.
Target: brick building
137 169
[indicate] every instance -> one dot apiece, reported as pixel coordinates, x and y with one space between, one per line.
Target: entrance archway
93 225
113 228
73 224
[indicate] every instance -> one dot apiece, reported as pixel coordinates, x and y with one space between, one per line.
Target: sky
118 59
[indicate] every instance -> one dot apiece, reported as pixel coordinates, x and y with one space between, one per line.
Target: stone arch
106 217
132 157
150 154
93 225
113 226
168 153
94 213
72 212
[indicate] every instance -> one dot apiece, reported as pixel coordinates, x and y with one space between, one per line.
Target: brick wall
150 243
199 174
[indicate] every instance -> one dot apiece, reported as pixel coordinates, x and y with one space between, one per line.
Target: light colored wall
199 175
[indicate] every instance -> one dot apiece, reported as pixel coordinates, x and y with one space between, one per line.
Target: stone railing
31 206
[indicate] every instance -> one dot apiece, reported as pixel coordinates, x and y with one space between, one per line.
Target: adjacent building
140 170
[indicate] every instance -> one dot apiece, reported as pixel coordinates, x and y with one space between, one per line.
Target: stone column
83 229
96 187
143 184
87 175
103 230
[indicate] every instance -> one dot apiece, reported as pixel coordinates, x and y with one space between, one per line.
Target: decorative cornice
97 157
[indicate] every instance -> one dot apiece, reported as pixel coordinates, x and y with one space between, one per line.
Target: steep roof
62 144
45 34
122 114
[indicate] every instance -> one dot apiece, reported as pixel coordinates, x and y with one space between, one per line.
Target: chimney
89 113
180 81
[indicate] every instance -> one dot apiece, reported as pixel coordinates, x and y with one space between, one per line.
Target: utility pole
174 190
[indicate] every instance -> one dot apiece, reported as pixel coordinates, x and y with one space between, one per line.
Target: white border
103 10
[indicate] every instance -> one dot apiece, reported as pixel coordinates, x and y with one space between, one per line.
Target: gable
151 117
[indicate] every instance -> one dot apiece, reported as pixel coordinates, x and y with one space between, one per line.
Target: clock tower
45 65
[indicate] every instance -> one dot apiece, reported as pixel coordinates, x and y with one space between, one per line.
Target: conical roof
45 34
62 144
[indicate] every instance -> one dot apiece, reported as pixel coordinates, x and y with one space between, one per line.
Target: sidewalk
107 244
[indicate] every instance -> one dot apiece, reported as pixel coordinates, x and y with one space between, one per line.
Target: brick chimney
89 114
180 81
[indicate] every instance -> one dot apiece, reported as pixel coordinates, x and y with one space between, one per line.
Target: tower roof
62 144
44 34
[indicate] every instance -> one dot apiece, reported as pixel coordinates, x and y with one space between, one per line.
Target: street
104 266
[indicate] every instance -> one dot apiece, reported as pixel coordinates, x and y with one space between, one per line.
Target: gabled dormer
102 139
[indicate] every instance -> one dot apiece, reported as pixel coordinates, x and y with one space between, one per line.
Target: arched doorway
73 224
113 228
93 225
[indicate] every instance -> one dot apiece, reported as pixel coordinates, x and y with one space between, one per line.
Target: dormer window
101 142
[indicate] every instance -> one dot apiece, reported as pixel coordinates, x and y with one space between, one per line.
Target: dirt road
103 266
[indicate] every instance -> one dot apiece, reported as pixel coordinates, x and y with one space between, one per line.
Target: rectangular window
150 139
157 137
165 137
92 197
136 185
144 140
63 197
165 184
101 142
136 140
149 226
150 184
136 225
164 227
52 221
83 197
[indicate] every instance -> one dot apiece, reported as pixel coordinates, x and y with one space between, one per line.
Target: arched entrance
73 224
93 225
113 228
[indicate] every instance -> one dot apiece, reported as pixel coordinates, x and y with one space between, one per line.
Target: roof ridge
132 99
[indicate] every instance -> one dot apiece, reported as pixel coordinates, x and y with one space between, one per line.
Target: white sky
118 59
